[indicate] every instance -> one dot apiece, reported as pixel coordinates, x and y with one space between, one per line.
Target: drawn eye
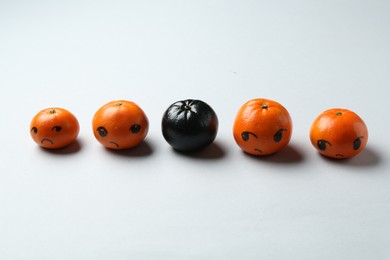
56 128
135 128
322 144
357 142
245 135
34 129
279 135
102 131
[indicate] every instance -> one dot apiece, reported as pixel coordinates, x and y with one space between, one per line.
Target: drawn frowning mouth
47 139
258 150
339 155
116 144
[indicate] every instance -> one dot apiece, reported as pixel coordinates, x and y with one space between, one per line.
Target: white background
86 202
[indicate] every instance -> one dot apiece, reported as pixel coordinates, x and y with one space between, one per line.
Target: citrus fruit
262 127
189 125
54 128
120 124
339 133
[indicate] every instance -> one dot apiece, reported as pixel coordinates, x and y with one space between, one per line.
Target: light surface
86 202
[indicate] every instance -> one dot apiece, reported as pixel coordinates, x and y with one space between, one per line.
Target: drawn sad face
262 142
119 136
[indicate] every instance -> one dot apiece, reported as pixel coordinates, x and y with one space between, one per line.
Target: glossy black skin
189 125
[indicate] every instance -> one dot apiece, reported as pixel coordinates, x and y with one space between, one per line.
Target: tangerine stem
264 105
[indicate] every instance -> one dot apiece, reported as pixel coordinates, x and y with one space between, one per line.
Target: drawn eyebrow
327 142
250 133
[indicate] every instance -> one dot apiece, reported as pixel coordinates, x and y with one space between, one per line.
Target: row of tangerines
261 127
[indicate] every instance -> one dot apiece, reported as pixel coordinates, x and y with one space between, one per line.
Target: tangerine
262 127
54 128
120 124
339 133
189 125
